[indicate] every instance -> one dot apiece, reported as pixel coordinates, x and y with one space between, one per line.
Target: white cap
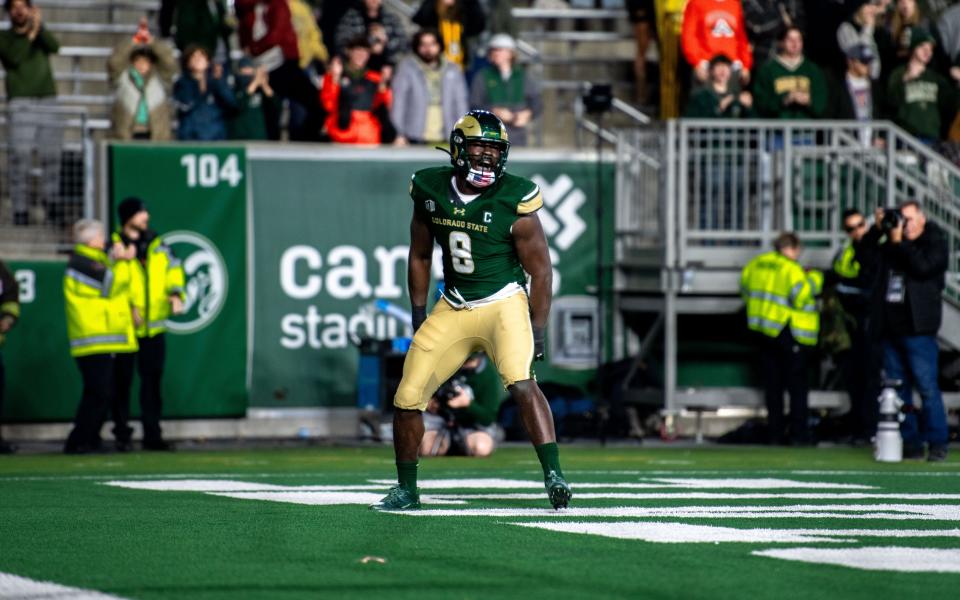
501 41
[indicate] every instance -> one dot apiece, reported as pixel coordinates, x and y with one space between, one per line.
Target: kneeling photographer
911 271
461 417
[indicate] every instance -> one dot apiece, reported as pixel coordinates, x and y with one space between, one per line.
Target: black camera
891 219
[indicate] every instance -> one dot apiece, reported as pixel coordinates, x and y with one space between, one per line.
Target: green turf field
644 523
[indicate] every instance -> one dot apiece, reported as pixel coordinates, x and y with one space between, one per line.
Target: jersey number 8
460 254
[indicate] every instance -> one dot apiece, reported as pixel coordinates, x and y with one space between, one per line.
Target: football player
485 221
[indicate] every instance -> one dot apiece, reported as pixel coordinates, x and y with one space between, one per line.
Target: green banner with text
331 240
197 200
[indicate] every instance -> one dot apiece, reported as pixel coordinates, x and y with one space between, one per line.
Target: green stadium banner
43 383
330 236
197 198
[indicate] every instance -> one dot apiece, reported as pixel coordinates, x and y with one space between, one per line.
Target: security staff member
782 311
158 292
100 327
852 279
9 313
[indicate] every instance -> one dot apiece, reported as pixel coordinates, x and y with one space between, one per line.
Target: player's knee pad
409 398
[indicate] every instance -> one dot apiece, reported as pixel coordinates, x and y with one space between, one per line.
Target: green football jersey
479 257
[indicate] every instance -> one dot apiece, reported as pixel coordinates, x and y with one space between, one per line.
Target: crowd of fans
861 60
346 72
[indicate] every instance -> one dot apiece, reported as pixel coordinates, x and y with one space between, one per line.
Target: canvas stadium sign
287 251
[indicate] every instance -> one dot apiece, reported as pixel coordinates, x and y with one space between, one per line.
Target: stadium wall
287 249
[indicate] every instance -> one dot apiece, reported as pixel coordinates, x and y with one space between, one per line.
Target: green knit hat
919 35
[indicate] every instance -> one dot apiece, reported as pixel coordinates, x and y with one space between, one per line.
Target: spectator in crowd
9 314
935 8
351 95
457 21
460 419
506 89
267 35
643 17
712 27
852 281
857 96
859 30
157 289
718 99
429 93
25 50
905 17
203 98
765 20
383 29
251 87
197 23
100 325
782 314
919 99
331 13
142 70
912 266
789 86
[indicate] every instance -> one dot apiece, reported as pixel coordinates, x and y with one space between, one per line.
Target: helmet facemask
483 162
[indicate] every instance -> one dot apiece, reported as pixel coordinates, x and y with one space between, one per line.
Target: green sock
549 455
407 475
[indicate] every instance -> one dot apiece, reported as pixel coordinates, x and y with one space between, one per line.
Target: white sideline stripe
14 586
768 483
200 485
877 558
321 498
598 472
894 512
681 533
707 496
746 484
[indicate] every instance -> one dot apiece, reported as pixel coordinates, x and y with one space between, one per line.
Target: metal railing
696 199
47 177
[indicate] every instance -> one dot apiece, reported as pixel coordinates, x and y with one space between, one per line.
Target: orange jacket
712 27
363 96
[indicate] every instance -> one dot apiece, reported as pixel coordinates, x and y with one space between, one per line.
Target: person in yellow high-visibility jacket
157 289
782 312
9 315
100 326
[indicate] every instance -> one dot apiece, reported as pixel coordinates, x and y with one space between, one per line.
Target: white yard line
16 587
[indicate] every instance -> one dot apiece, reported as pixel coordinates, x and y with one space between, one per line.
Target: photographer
460 419
911 270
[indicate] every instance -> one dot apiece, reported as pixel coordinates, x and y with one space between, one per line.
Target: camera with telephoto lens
449 390
891 219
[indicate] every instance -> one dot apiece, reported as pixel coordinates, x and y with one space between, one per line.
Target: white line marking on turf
200 485
680 533
893 512
745 484
882 558
707 496
14 586
321 498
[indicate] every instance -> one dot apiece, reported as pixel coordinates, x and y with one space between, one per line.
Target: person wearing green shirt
919 99
788 86
25 50
460 418
506 89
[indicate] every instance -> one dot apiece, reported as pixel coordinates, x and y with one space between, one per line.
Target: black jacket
923 263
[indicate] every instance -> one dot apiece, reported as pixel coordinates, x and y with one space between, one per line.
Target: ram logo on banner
206 281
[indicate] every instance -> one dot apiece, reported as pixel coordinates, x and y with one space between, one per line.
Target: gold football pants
502 329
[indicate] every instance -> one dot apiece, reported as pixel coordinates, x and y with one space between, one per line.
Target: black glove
539 342
418 315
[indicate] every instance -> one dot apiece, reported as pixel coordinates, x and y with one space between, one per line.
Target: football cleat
557 490
398 498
